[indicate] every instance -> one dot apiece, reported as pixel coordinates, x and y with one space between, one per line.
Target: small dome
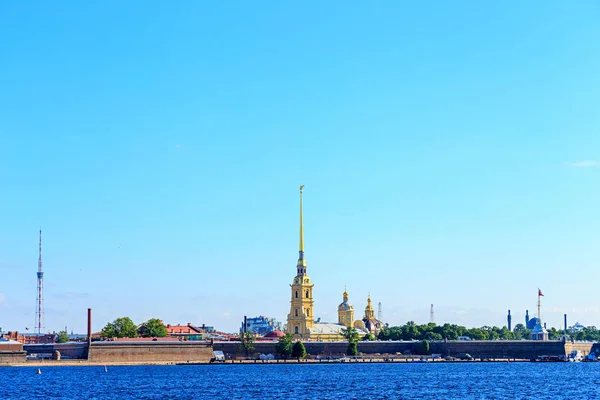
344 306
532 323
274 334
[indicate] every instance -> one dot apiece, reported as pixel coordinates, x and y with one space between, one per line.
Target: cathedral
301 321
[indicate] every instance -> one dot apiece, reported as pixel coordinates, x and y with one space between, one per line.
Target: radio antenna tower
39 312
379 311
431 314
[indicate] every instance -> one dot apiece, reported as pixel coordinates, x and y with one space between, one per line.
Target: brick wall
150 352
12 357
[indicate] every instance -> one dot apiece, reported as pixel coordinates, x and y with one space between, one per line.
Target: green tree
352 349
424 347
154 327
521 332
553 333
246 342
299 351
120 328
62 337
284 345
410 331
477 334
350 334
369 337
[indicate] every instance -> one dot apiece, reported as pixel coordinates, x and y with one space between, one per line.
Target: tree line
431 331
124 327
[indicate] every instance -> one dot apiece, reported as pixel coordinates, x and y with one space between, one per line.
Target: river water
312 381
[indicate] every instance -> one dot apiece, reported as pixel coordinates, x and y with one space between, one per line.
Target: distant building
539 332
577 327
30 338
188 332
261 325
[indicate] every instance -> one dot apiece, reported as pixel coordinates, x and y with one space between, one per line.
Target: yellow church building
301 321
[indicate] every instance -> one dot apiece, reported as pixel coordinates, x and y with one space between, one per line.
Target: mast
39 312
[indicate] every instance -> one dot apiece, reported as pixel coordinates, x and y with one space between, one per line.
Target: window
307 294
308 312
296 330
296 294
296 312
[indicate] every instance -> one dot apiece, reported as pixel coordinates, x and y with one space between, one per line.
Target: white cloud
584 164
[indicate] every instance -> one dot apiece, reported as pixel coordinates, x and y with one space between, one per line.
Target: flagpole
539 307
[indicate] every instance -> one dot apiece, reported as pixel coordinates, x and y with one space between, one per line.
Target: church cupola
369 311
345 311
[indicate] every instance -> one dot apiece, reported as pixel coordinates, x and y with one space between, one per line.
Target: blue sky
450 153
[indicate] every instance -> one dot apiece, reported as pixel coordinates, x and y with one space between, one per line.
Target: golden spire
301 224
301 261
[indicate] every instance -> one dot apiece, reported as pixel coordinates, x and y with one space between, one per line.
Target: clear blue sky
450 153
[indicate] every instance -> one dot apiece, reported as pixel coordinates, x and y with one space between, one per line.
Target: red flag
540 293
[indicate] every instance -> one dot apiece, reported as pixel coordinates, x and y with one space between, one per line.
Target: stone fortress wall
524 349
192 351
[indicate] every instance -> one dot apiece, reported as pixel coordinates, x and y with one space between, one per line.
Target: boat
39 372
575 356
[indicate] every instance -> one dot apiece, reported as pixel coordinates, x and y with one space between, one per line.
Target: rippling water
332 381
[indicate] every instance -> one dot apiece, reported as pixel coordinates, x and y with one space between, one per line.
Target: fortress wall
477 348
12 357
69 350
500 348
324 348
150 352
585 348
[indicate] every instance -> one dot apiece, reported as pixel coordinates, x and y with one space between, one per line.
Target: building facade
261 325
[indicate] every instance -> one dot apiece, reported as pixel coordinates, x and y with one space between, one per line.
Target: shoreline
85 363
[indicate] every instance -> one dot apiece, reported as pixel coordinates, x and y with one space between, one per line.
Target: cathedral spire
301 261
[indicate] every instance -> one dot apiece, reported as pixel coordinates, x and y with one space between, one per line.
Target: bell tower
301 318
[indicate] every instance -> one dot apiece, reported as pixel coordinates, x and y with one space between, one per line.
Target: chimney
89 326
526 318
245 324
509 318
565 324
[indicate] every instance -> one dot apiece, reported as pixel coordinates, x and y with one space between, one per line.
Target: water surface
320 381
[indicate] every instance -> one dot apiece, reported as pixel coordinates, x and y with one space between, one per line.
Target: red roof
274 334
188 329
